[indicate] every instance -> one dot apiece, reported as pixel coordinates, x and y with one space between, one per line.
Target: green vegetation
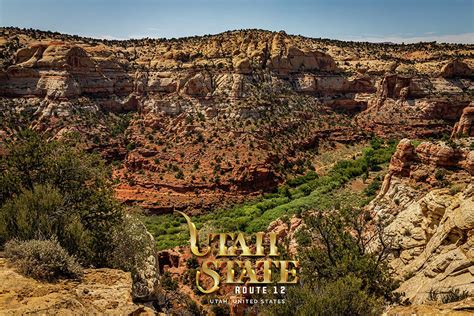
299 194
449 296
338 275
168 282
52 190
344 296
416 142
42 259
373 188
120 125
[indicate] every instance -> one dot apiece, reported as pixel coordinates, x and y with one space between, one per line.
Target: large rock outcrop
432 241
428 200
465 126
456 68
100 291
414 106
408 160
59 70
292 59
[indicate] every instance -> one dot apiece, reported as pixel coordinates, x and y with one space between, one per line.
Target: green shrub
50 188
179 174
168 282
311 175
456 188
132 247
440 174
341 251
454 295
344 296
42 259
338 275
32 213
192 263
221 309
193 308
373 188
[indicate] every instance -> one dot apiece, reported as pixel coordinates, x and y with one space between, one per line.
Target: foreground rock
101 291
461 308
428 200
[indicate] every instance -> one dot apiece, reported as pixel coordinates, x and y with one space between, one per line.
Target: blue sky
373 20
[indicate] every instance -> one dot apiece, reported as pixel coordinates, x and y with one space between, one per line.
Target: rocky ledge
427 200
100 291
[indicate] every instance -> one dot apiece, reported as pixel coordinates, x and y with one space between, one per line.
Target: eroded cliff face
191 122
417 106
427 199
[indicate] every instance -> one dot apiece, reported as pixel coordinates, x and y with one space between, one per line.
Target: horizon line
449 39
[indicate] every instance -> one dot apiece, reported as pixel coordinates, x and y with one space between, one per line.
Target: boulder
465 126
100 291
456 68
242 65
198 85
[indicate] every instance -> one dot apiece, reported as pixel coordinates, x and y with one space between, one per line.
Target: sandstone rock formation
190 121
430 226
462 308
465 126
286 233
287 59
101 291
409 161
433 241
456 68
411 105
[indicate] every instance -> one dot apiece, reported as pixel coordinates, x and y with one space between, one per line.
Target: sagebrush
42 259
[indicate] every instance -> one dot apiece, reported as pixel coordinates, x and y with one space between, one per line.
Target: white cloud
109 37
140 36
464 38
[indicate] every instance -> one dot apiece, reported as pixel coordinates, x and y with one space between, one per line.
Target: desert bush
50 188
456 188
339 247
338 275
168 282
221 309
133 246
42 259
454 295
449 296
344 296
